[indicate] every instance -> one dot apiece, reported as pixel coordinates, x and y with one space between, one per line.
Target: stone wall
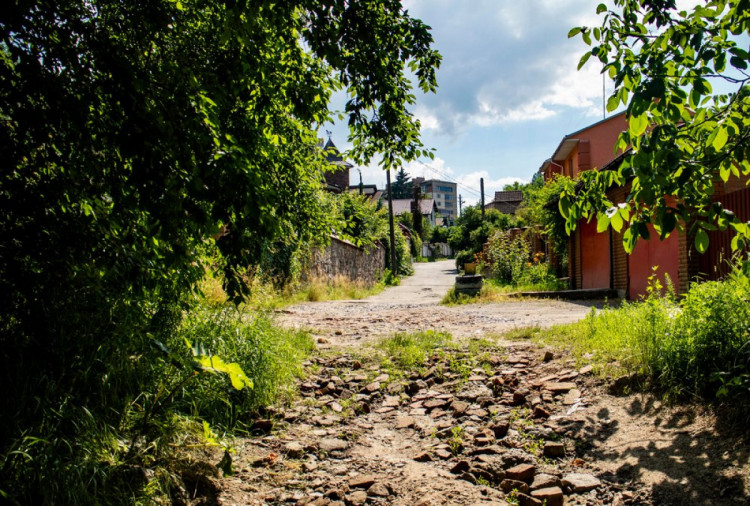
342 258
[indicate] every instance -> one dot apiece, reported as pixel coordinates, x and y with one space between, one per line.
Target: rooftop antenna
329 133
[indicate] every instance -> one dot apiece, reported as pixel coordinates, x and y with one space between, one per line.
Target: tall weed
699 346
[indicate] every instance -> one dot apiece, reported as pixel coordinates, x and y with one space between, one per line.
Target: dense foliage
468 235
540 209
134 137
685 131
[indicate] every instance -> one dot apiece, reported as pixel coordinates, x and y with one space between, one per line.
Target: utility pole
394 267
460 204
416 213
481 189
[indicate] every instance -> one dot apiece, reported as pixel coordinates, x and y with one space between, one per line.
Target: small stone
508 485
518 398
294 449
309 466
586 370
461 467
548 355
381 379
443 454
358 497
459 407
554 450
405 422
545 481
378 490
500 428
558 388
580 482
572 397
336 407
540 412
552 496
363 481
435 403
423 457
372 387
322 340
331 445
391 401
521 472
527 500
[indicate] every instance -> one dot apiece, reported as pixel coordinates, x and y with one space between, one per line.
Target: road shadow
688 457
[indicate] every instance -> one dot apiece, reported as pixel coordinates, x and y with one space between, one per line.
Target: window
447 189
448 197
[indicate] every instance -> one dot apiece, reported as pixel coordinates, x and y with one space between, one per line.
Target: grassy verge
698 346
495 291
124 438
264 296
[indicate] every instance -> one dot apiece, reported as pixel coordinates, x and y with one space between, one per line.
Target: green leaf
601 8
602 222
613 103
629 238
638 124
564 206
701 241
584 59
720 139
233 370
617 222
574 31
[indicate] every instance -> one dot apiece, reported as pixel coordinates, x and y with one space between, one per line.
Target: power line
449 178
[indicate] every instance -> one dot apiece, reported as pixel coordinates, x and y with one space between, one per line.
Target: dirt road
480 422
414 305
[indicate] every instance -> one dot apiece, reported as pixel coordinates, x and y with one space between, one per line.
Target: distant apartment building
445 195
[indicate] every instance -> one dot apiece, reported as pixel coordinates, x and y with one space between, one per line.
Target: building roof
426 181
333 155
401 206
509 196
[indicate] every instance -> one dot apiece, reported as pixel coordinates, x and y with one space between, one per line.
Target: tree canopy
136 135
401 187
683 77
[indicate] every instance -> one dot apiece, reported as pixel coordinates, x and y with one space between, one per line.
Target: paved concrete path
430 282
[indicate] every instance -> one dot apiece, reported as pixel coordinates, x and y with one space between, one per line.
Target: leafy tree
470 233
685 133
401 186
540 208
514 186
133 136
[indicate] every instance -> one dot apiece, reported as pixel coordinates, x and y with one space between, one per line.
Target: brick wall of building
619 256
338 178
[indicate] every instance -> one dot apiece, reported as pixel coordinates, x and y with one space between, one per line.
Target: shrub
508 257
270 356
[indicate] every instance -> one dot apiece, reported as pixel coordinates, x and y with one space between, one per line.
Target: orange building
599 260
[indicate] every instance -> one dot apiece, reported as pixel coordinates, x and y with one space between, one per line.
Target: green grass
495 291
143 408
410 350
699 346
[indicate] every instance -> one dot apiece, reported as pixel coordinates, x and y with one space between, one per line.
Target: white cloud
507 62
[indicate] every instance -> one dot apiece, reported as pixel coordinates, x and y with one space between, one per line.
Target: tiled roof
509 196
401 206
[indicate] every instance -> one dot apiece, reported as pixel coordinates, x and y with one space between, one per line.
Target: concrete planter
470 284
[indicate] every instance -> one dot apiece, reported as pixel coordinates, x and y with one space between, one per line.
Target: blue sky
508 90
